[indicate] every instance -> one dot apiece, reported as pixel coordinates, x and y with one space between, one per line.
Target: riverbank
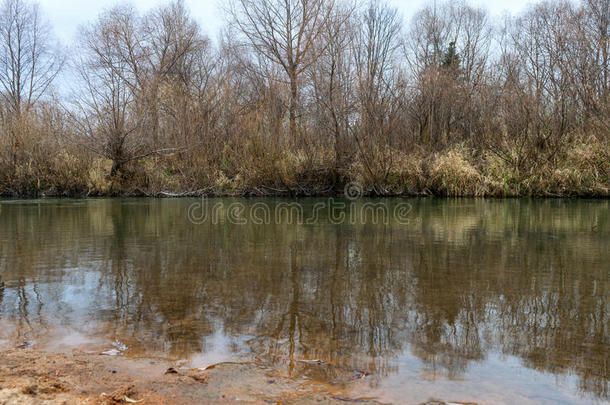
580 170
35 377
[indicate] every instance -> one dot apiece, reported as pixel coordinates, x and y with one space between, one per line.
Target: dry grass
452 174
35 162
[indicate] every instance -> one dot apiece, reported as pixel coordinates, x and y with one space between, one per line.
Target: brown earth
34 377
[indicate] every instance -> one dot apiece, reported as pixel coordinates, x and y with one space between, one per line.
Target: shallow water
489 301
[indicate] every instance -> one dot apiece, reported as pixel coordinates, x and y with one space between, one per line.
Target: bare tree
104 116
378 82
377 45
172 41
447 51
584 58
333 79
286 32
140 76
29 58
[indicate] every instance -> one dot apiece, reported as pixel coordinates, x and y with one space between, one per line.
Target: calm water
468 300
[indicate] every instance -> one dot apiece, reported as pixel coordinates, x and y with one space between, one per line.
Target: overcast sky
67 15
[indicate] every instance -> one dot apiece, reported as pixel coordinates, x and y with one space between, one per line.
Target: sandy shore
34 377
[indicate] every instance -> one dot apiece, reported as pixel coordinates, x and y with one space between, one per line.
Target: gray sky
67 15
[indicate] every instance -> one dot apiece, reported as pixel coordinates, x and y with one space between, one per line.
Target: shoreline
163 195
455 172
30 376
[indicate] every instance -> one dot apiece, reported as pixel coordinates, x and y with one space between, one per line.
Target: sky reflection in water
499 301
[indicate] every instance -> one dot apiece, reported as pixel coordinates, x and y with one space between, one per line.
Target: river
488 301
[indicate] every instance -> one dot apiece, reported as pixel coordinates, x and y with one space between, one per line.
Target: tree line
301 97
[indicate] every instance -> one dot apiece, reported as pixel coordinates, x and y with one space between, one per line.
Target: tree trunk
293 105
116 167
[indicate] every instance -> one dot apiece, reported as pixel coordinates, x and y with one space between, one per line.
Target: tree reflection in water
462 280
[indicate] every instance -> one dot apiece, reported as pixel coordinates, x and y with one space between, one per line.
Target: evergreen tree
451 57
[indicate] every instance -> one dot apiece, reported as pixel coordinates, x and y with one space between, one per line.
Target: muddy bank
33 377
30 377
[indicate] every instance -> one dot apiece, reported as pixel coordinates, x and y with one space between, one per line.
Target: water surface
489 301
